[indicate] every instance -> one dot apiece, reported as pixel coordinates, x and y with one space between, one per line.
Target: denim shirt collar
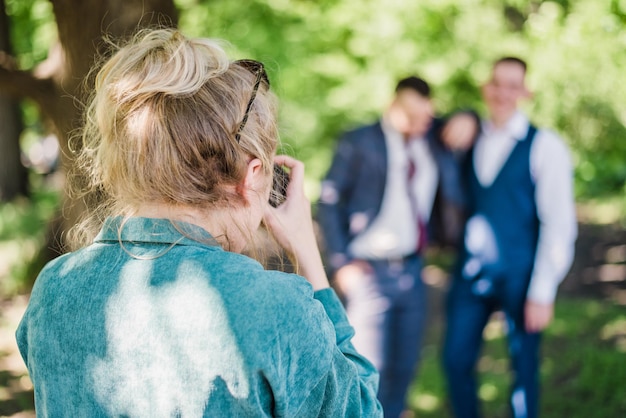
154 231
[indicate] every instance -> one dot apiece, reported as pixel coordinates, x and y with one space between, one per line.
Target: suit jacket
355 183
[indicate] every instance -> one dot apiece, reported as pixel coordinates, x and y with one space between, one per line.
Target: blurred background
333 65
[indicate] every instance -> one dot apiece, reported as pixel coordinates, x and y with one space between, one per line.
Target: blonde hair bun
162 122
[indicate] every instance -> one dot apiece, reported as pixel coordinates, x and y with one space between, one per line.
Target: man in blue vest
518 245
374 210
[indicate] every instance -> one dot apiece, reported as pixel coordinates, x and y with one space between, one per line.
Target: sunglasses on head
280 179
258 69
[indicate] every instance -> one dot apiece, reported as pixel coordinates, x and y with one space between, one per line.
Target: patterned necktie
411 175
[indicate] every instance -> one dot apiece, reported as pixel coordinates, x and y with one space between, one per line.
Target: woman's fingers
296 171
291 224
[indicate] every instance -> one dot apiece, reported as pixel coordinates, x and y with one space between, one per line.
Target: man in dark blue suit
518 245
374 211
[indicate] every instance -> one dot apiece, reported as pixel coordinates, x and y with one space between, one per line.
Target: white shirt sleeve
551 169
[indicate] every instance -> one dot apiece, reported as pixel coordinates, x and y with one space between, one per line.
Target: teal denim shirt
157 320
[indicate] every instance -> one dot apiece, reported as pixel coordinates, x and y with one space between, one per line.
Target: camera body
280 181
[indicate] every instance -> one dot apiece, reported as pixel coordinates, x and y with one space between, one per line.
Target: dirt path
16 390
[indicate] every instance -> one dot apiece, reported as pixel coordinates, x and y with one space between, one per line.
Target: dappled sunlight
435 276
16 388
22 233
496 327
481 243
19 251
616 254
16 253
425 401
488 392
612 273
173 328
615 331
602 212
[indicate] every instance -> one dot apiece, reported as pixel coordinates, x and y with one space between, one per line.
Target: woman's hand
292 226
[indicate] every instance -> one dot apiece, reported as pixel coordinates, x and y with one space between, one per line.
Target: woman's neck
220 223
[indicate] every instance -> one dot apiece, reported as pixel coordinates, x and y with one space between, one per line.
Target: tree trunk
13 175
59 84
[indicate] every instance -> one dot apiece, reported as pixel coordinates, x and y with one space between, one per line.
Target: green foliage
334 64
33 30
22 234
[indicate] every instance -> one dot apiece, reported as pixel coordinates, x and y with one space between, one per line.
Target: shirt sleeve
551 168
350 385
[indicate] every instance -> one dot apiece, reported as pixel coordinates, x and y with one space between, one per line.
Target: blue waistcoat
509 206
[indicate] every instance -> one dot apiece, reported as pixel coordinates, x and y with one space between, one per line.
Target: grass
583 371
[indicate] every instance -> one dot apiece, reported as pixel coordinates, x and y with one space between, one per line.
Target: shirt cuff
542 290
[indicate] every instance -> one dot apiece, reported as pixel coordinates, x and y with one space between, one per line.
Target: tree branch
24 84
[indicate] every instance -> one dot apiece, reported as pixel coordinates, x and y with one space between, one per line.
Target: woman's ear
255 179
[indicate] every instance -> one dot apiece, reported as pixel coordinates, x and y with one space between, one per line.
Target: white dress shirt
551 170
394 232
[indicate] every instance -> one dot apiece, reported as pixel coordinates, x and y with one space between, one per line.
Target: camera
280 181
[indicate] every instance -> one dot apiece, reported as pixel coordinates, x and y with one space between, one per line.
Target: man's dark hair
512 60
416 84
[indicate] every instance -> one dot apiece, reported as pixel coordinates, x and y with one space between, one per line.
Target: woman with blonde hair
157 313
